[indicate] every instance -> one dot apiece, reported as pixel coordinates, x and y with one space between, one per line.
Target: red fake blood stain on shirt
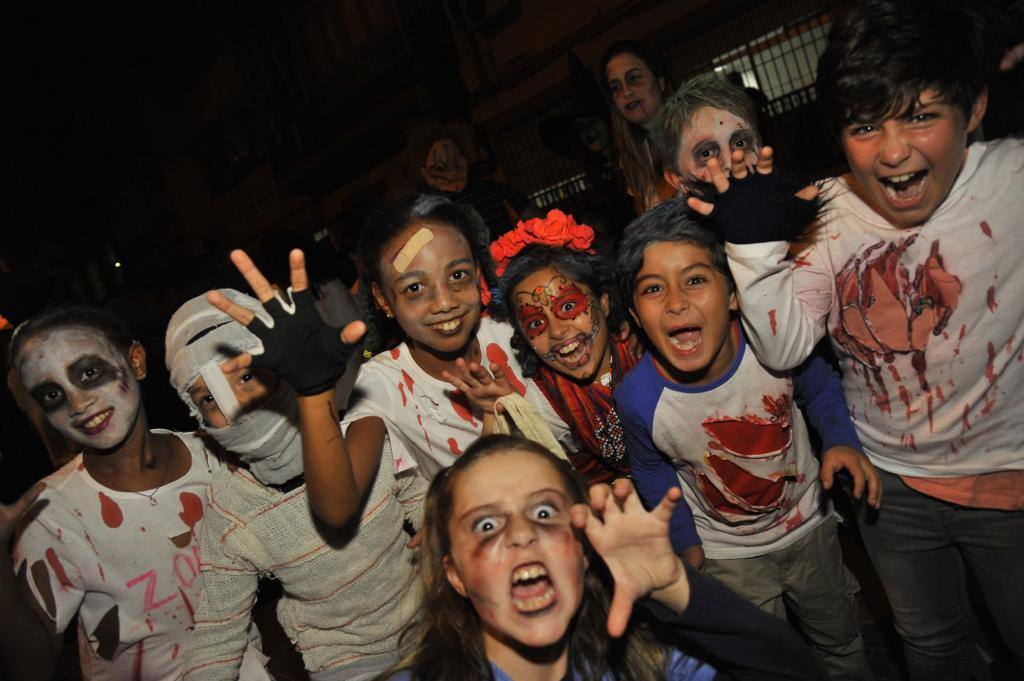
110 511
985 229
454 447
717 500
175 650
795 522
58 568
773 321
758 492
498 356
395 352
907 440
990 299
137 664
965 423
905 399
407 383
460 403
749 435
990 370
191 510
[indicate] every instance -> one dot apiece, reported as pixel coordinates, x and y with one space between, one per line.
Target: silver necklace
152 495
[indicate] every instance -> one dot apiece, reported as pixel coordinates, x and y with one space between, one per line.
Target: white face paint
84 385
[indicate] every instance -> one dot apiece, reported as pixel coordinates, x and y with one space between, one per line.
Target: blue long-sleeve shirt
737 447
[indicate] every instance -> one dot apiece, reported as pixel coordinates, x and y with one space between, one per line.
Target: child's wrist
675 595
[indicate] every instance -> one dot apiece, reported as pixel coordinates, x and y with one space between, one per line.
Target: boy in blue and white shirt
701 412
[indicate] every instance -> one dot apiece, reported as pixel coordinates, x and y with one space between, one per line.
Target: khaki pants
809 578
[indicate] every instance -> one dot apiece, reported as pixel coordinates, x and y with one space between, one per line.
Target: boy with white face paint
113 537
706 118
345 603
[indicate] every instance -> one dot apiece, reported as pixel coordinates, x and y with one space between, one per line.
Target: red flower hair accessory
557 230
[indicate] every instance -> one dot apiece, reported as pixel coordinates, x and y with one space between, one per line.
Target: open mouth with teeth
449 326
904 189
686 339
532 590
573 353
97 423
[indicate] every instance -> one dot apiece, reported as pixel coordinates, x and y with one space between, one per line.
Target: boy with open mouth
915 275
699 411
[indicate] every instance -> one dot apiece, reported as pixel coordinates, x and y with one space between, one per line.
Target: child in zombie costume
346 600
425 260
113 537
700 411
915 274
519 575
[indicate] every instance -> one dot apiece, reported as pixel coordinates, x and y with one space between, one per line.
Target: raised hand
636 548
480 386
858 466
747 205
297 345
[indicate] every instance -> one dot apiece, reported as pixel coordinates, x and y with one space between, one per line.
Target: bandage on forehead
412 248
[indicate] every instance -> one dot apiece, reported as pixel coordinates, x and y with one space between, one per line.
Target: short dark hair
668 221
679 108
70 316
882 54
592 269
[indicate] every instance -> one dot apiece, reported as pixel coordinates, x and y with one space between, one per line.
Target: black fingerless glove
761 208
304 351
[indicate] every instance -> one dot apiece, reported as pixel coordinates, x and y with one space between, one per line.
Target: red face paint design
570 302
532 320
563 323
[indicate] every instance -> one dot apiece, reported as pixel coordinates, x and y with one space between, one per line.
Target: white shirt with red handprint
429 422
928 322
128 567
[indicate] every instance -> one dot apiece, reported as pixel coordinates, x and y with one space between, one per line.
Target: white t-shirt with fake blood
129 569
428 421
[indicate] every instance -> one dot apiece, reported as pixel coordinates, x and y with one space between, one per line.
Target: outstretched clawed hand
636 548
746 205
480 386
304 351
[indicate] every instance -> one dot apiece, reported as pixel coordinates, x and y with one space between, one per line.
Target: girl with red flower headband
561 299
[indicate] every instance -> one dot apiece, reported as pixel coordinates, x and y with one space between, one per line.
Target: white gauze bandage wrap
199 339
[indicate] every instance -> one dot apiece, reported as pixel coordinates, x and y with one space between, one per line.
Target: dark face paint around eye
84 385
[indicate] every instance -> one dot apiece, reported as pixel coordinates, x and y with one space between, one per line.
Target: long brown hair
635 155
449 636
